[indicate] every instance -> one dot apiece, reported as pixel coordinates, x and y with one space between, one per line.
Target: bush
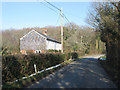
86 51
17 66
67 56
74 55
55 51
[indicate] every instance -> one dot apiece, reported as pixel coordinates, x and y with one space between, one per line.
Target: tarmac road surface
82 73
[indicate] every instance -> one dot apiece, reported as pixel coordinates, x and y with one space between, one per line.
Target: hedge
17 66
53 51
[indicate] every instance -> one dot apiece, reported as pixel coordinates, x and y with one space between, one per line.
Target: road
82 73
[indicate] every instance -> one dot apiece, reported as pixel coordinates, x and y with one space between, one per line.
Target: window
37 51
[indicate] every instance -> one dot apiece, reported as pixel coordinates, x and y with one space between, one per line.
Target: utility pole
61 31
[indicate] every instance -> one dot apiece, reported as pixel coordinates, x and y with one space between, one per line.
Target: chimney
45 31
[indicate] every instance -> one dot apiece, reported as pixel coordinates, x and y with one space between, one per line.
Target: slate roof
49 38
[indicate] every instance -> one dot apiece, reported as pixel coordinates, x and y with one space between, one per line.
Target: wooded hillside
76 38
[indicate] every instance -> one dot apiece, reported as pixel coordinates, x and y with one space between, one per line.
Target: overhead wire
57 21
58 9
64 16
52 10
49 7
53 5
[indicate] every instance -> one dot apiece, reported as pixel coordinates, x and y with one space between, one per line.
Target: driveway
82 73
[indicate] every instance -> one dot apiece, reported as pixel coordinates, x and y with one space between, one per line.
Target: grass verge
80 56
112 72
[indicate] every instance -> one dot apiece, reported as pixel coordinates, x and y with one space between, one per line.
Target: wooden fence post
35 68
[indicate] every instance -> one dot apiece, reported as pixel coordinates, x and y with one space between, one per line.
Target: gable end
31 32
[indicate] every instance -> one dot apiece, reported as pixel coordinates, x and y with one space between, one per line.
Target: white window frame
37 51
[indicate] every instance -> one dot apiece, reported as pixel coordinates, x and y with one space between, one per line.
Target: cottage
38 42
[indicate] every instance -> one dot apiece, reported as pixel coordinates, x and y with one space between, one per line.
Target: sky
20 15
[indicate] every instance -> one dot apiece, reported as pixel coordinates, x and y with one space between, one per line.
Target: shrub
86 51
74 55
67 56
71 55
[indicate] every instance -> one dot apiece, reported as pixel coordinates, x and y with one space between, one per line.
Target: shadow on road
89 59
82 73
